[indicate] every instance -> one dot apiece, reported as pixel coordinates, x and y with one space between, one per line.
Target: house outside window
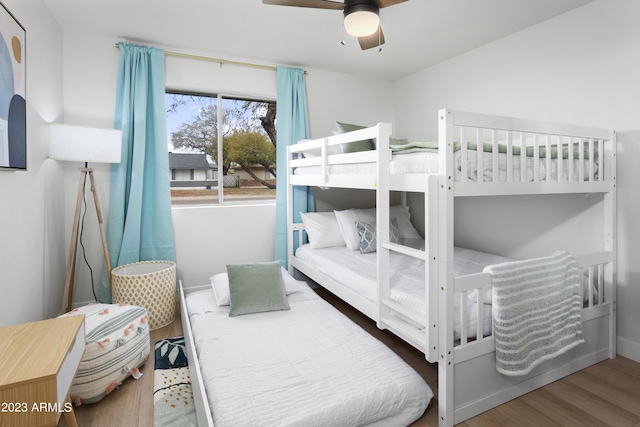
189 170
206 131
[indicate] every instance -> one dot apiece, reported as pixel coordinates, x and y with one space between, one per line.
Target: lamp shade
361 19
84 144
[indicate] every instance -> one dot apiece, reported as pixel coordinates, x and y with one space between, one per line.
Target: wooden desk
38 361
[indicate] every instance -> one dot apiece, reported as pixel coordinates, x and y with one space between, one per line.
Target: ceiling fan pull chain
380 36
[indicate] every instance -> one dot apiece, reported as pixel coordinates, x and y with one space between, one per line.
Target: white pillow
347 222
323 229
220 286
406 228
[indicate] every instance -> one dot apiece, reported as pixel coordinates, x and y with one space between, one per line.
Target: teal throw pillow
255 288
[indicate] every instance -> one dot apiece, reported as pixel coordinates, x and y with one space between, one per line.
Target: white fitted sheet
308 366
357 272
427 162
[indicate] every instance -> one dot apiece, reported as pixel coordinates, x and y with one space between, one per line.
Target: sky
183 114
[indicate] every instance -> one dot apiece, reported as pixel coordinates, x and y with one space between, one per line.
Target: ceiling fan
361 17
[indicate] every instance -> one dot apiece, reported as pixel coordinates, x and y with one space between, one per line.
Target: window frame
218 174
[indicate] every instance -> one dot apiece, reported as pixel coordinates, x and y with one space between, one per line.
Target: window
221 149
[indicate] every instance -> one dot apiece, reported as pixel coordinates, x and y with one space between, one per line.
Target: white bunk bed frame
459 398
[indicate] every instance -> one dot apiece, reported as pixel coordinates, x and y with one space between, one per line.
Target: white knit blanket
536 311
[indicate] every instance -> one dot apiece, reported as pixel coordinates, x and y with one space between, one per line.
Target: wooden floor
606 394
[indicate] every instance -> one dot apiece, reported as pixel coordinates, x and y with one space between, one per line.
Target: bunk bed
476 155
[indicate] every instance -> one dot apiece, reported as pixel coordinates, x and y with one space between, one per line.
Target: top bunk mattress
310 366
427 162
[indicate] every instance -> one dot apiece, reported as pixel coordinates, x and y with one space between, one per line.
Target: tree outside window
245 133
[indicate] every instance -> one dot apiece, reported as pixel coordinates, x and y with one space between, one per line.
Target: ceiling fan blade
386 3
373 40
315 4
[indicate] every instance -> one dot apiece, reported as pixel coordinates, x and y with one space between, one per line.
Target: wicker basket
148 284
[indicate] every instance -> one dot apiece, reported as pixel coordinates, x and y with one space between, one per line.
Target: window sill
225 205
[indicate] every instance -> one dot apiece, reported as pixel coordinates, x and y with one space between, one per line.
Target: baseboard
629 349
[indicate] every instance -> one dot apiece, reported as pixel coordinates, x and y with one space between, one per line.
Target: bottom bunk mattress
357 272
309 365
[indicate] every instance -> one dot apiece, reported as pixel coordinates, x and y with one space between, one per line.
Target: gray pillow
257 287
352 147
398 141
368 239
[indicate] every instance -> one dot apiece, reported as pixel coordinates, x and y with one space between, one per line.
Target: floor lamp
87 145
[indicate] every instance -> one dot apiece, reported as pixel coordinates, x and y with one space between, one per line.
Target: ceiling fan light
360 20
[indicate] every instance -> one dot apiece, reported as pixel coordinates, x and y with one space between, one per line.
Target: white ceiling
419 33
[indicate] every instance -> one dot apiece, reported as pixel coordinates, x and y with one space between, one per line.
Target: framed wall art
13 111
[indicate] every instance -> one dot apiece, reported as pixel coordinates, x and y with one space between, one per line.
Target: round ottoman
117 344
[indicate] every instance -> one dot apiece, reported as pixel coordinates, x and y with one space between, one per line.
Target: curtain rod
212 59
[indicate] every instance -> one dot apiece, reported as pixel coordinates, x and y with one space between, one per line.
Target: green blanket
412 147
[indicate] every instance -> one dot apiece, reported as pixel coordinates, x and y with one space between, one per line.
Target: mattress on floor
357 272
310 366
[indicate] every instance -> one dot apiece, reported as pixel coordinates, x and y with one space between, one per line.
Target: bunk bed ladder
383 199
425 337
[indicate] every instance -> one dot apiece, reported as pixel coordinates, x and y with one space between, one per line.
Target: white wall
210 237
32 257
582 67
207 238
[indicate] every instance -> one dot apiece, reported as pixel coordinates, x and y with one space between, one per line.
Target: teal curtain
292 125
139 226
